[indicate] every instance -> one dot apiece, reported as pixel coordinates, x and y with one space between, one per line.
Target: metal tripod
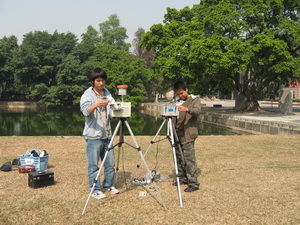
173 138
120 127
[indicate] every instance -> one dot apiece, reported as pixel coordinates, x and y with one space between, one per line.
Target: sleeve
111 99
85 102
196 107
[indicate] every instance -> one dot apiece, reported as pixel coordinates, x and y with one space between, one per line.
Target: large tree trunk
249 106
246 103
247 95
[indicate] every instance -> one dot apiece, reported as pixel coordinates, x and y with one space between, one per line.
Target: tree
7 47
70 84
170 43
122 68
86 47
111 33
141 52
37 59
112 54
154 86
223 45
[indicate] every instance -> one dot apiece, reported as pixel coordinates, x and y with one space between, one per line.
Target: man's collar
94 90
193 96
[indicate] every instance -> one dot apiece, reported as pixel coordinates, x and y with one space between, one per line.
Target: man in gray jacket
187 132
95 105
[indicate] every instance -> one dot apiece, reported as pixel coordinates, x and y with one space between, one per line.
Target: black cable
123 166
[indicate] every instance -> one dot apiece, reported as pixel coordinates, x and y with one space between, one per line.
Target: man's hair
179 85
98 73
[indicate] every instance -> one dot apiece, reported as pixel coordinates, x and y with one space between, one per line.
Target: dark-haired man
95 106
186 128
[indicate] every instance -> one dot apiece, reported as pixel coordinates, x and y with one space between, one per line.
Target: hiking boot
98 195
191 188
113 190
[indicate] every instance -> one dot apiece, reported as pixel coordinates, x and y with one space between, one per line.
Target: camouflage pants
187 166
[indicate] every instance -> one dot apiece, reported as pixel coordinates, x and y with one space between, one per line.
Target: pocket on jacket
193 132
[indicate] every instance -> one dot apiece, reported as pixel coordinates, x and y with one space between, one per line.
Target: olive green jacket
186 124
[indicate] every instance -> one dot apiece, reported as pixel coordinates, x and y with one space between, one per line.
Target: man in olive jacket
186 128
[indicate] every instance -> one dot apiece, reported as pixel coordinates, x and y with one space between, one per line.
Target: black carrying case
40 179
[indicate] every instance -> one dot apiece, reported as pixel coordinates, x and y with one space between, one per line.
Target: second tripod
173 138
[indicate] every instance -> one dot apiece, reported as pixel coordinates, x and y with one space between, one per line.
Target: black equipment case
40 179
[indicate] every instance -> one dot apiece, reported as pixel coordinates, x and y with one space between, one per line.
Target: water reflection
52 123
70 123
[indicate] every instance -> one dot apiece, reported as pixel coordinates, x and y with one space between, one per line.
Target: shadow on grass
122 179
173 174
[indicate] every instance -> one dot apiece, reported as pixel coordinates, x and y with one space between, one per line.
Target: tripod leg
137 146
152 141
118 159
121 141
102 163
175 161
176 139
145 164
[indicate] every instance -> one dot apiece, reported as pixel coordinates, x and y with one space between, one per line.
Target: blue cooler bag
36 157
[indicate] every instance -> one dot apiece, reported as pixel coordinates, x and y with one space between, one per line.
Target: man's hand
101 103
183 109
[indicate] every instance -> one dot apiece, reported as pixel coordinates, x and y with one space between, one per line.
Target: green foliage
7 48
39 91
123 68
112 33
86 47
52 68
37 59
225 45
216 46
70 81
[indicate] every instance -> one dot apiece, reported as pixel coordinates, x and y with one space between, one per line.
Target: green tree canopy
112 54
70 84
224 45
37 59
111 33
122 68
86 47
8 45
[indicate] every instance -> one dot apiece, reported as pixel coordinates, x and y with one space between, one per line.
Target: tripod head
123 109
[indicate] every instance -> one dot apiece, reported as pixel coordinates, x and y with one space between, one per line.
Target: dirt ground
245 180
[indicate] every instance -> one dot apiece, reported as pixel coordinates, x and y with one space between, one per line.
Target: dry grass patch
245 180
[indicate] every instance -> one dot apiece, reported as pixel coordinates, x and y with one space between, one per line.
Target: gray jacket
93 128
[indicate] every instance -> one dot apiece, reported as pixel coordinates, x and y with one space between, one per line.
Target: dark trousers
187 166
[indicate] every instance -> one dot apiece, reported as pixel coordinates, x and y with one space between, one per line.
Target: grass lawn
245 179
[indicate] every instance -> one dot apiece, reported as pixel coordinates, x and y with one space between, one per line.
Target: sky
18 17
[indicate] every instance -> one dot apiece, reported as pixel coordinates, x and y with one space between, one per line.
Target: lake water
71 122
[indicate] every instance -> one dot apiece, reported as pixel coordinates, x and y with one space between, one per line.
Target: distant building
295 88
